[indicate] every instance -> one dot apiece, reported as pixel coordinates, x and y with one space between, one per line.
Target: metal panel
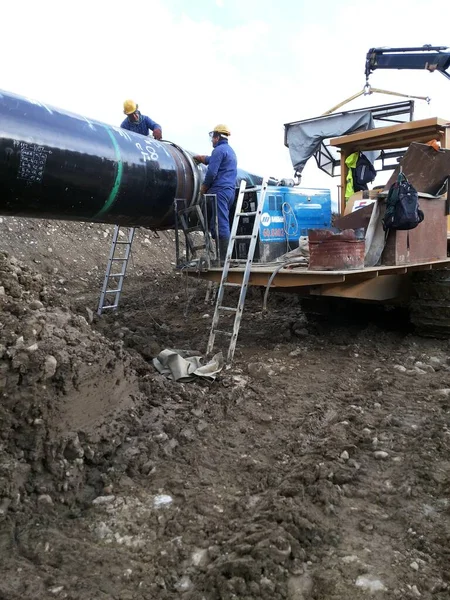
427 242
426 169
355 220
379 289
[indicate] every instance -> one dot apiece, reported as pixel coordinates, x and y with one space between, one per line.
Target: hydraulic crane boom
431 58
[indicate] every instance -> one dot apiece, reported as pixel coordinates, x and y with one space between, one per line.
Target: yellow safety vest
350 161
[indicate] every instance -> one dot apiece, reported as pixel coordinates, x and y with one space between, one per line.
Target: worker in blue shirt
220 179
138 123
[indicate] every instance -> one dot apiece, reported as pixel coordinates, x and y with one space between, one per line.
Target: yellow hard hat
129 107
221 128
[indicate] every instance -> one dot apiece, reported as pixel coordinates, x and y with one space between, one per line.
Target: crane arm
431 58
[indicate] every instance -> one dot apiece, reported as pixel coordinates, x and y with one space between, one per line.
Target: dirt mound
58 378
73 256
315 469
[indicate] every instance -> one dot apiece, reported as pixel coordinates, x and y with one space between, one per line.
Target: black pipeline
58 165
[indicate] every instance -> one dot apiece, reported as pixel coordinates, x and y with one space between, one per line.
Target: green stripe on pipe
113 194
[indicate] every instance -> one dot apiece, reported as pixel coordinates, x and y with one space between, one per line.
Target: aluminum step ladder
225 284
118 259
196 219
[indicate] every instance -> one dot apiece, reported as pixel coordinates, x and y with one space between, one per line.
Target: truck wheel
430 303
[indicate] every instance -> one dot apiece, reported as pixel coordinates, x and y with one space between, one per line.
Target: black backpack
363 173
402 206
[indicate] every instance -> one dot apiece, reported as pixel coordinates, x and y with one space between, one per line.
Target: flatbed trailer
389 284
372 283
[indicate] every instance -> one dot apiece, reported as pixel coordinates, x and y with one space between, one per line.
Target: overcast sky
252 64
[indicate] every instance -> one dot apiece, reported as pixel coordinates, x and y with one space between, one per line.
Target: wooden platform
395 136
300 276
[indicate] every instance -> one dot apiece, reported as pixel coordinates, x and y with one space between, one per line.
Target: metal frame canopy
327 157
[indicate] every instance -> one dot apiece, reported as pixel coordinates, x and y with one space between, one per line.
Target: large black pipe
58 165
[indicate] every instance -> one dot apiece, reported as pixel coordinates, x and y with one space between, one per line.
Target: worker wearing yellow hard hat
220 179
139 123
221 128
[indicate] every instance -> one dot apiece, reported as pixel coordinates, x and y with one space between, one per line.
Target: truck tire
430 303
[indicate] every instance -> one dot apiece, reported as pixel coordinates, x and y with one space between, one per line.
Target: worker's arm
125 124
214 161
201 158
155 127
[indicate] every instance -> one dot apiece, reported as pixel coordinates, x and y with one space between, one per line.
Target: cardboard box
360 200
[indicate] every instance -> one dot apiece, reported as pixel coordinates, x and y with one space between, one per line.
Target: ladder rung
247 214
124 258
223 332
127 242
110 306
228 308
185 211
231 284
242 237
116 275
113 291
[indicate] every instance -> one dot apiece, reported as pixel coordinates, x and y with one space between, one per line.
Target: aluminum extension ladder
113 282
224 283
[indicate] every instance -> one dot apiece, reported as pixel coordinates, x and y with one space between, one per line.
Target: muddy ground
316 468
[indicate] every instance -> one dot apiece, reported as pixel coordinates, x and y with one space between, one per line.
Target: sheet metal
426 169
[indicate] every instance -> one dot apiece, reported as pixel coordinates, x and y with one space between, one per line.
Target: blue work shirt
143 126
222 168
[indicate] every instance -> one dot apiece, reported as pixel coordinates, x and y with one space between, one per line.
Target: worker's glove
203 189
157 134
200 158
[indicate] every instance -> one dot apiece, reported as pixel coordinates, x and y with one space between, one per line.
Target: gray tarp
304 138
186 365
